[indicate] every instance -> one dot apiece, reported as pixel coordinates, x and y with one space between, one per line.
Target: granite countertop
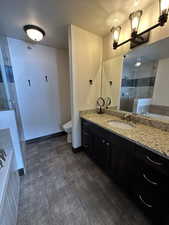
150 137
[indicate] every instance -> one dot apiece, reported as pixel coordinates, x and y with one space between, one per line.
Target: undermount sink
120 124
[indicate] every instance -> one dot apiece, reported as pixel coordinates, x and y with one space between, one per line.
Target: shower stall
8 97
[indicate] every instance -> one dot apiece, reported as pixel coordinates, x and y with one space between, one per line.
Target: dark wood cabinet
87 140
142 173
150 187
122 161
102 151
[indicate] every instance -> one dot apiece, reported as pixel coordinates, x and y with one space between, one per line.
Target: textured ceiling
53 16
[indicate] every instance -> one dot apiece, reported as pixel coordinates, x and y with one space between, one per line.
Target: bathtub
157 116
9 182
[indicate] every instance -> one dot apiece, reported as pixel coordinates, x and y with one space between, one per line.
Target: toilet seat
68 129
68 126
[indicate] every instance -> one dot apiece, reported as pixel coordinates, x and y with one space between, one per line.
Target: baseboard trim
21 172
76 150
46 137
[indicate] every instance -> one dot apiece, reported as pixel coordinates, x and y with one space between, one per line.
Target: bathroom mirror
111 80
145 81
139 81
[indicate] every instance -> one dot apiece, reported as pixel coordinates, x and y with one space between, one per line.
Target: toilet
67 127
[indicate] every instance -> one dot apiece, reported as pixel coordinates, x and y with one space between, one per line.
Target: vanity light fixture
135 21
35 33
135 18
115 35
164 10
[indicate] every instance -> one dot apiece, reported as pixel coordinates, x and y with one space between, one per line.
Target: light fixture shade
35 33
164 7
116 33
135 21
138 64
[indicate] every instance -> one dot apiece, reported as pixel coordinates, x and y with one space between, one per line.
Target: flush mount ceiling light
35 33
137 64
135 18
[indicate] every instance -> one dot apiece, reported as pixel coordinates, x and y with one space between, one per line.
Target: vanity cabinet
121 162
102 151
96 145
142 173
150 187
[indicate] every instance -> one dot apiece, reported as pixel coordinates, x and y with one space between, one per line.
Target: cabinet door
87 142
121 162
101 151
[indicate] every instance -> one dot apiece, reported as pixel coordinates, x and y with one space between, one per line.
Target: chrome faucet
127 117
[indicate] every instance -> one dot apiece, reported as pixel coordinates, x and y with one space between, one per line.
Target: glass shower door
8 97
4 92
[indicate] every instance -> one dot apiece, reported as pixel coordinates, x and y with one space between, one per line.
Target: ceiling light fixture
138 64
35 33
143 37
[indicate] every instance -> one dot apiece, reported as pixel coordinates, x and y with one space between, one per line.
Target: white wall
160 94
44 106
85 55
112 71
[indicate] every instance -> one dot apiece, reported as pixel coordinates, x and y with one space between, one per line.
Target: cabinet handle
103 141
107 144
144 203
149 181
154 162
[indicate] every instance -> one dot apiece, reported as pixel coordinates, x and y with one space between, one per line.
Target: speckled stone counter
147 136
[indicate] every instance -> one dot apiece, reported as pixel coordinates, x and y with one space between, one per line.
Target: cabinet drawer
150 177
150 189
156 208
153 160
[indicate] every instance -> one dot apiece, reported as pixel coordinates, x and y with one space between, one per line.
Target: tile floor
63 188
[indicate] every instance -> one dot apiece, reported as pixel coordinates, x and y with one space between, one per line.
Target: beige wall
87 58
85 55
112 71
62 61
149 18
160 94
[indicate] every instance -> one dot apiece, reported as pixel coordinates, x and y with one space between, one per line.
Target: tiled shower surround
5 104
138 82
